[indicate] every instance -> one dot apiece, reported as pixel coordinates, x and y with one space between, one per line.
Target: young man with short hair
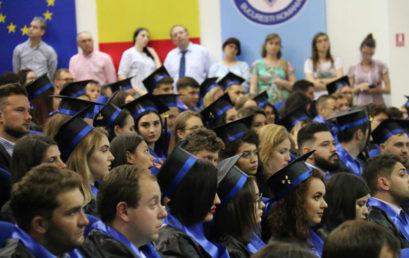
188 90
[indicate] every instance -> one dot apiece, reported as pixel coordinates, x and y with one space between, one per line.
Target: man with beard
14 119
391 136
389 184
317 136
47 205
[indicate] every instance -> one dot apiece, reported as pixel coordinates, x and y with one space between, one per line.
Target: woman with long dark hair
138 61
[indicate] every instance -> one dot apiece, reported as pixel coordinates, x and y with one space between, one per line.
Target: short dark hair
376 109
203 139
341 207
231 148
359 238
278 249
122 184
297 101
37 192
378 166
302 85
22 74
394 112
58 73
348 134
194 196
307 133
9 77
10 90
234 41
28 152
184 82
119 98
122 144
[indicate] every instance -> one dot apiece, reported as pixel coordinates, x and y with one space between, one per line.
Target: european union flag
15 18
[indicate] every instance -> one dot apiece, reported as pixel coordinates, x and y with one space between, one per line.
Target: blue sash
113 233
154 170
317 243
352 164
255 244
399 223
197 234
94 191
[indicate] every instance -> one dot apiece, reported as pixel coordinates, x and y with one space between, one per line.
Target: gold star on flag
2 18
50 2
11 28
24 30
48 15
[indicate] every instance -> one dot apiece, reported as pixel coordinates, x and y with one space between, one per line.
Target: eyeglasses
249 154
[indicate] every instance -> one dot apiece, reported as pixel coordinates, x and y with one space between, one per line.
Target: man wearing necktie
187 59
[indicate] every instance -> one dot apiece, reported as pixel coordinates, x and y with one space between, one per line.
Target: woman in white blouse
138 61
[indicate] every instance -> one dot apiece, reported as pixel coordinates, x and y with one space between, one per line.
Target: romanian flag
117 21
15 18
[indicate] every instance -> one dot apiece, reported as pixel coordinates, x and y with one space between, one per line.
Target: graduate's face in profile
325 155
248 161
259 207
399 184
66 227
314 203
93 91
398 144
361 208
212 211
270 115
191 124
189 96
141 157
235 93
280 156
150 127
146 219
259 120
129 126
53 156
100 160
231 115
210 156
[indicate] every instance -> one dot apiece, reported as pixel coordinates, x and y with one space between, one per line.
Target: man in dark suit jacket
388 181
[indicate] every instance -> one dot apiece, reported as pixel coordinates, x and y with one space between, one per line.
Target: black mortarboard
332 87
230 178
155 78
351 118
119 85
388 128
262 100
170 100
234 130
38 87
144 104
290 120
71 106
75 89
107 116
230 79
212 114
70 135
177 166
288 178
207 85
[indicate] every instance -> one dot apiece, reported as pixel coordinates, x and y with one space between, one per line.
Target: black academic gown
15 249
235 248
5 184
173 243
379 217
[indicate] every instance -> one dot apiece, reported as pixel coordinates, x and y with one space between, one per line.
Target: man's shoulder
20 46
14 248
198 47
103 55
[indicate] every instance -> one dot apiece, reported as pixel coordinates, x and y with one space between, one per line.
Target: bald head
85 42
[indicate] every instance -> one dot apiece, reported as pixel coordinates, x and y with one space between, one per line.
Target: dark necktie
182 65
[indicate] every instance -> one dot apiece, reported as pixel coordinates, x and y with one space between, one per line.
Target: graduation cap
288 178
107 116
144 104
230 79
291 119
75 89
72 106
212 114
332 87
388 128
351 118
71 133
119 85
207 85
155 78
177 166
230 178
38 87
262 100
234 130
170 100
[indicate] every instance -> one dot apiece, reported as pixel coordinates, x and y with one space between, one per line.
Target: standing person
139 61
370 78
61 77
322 68
91 64
231 49
272 73
187 59
35 54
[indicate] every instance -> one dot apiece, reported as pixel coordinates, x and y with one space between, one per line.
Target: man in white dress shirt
187 59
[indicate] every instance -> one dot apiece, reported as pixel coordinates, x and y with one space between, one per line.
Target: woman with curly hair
297 206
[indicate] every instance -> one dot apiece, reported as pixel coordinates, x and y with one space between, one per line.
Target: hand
280 83
363 87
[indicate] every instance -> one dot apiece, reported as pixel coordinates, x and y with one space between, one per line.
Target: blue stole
94 191
154 170
255 244
374 151
317 243
319 119
196 232
118 236
352 164
399 223
36 248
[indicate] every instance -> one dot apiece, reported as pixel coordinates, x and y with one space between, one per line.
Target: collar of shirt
8 145
189 48
395 208
36 47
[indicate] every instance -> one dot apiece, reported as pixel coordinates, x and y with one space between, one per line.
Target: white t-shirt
324 70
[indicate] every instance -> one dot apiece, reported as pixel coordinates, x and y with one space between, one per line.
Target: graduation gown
235 248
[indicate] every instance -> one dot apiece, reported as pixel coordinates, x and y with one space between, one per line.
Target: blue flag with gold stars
15 18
